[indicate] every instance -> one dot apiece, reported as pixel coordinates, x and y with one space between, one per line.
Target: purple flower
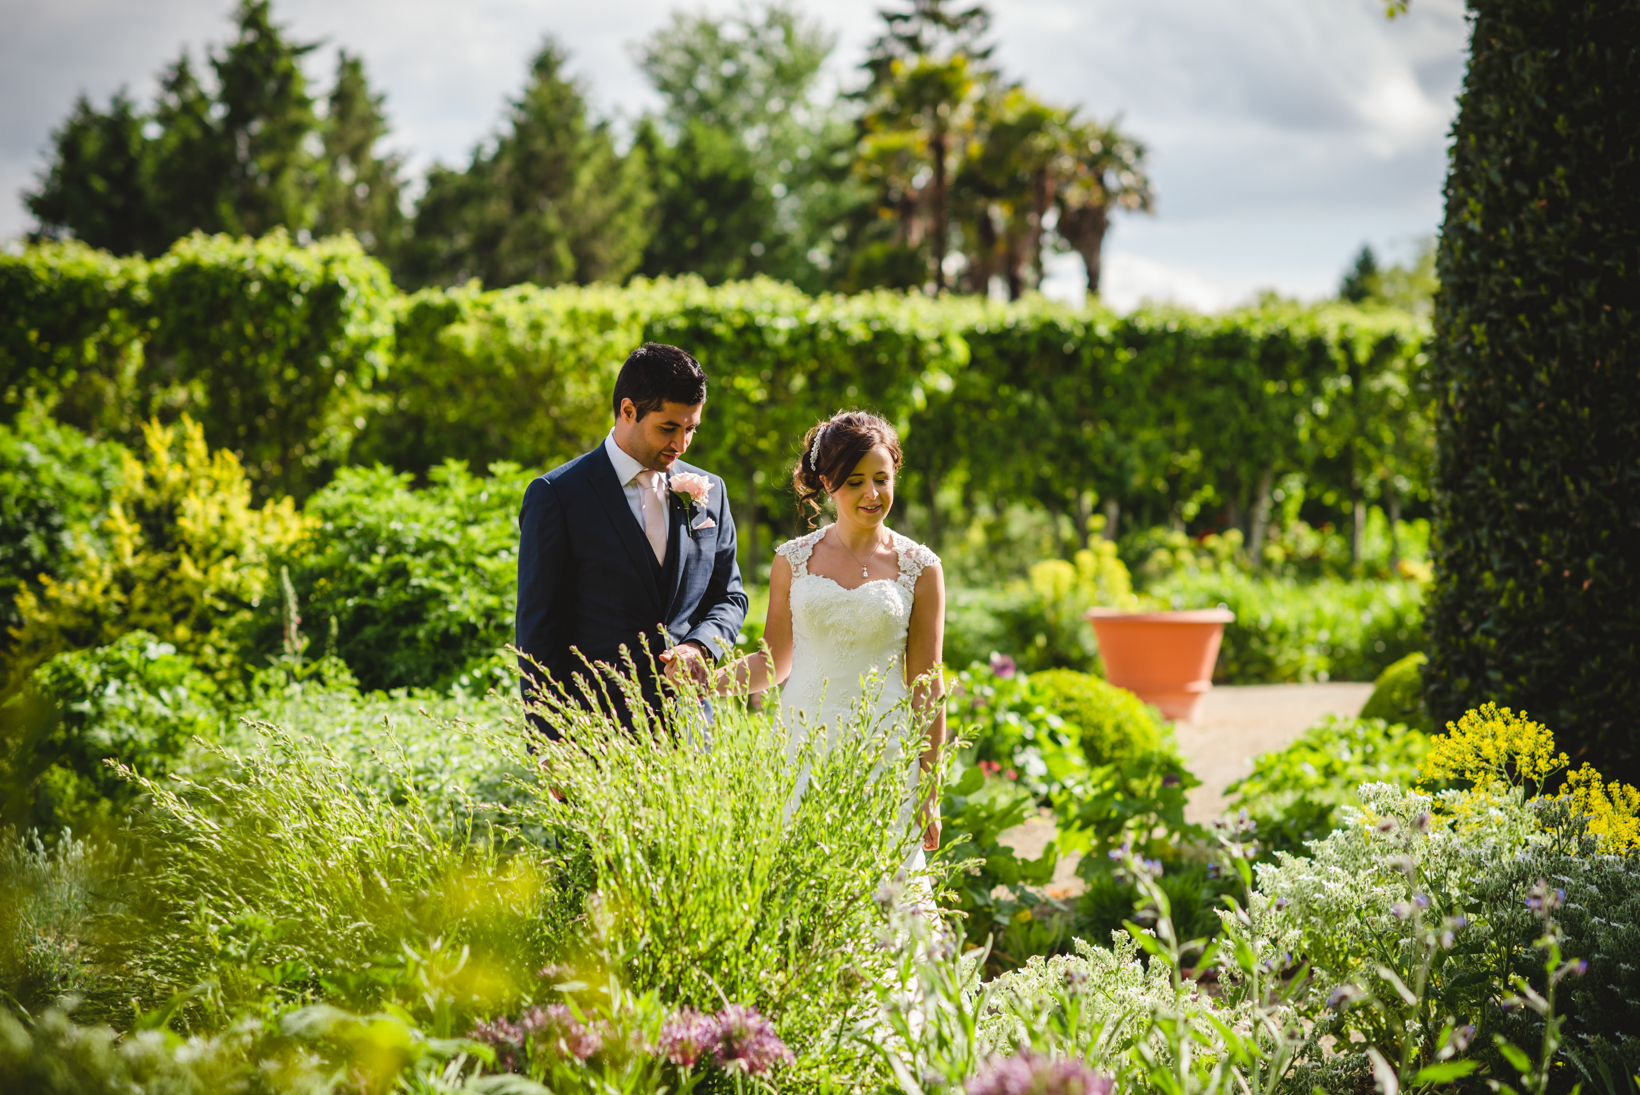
1171 780
1342 996
1003 667
507 1039
1028 1073
687 1037
558 1029
747 1041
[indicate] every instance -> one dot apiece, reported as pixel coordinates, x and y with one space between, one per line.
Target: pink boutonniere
693 491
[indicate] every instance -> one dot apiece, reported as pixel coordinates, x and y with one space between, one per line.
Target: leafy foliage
136 700
1295 794
273 348
409 588
182 555
1398 694
54 483
72 336
1065 411
1537 585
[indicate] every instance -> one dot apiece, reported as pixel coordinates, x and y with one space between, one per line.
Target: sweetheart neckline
841 586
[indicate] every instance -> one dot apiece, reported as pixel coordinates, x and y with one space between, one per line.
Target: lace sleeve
796 552
914 557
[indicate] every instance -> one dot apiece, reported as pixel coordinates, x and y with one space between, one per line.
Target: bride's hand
931 827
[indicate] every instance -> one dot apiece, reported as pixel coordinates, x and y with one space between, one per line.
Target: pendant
864 573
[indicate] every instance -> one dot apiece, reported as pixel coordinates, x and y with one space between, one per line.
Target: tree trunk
751 523
936 148
1261 515
1113 512
1084 229
1084 513
931 496
1358 548
1393 504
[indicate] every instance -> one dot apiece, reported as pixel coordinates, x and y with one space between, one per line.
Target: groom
610 551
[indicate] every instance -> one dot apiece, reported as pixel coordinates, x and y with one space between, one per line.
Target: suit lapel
683 542
613 497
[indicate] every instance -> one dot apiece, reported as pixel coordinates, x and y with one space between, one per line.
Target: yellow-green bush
182 554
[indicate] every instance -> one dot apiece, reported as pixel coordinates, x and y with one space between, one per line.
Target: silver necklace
864 572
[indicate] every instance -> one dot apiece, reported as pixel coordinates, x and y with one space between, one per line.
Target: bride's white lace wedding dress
846 640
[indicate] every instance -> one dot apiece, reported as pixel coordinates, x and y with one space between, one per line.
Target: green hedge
272 347
285 353
1537 595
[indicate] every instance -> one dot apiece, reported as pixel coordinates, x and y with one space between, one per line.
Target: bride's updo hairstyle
832 448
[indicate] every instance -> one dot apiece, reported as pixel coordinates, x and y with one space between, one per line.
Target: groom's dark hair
655 374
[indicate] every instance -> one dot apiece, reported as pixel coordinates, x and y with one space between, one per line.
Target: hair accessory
814 453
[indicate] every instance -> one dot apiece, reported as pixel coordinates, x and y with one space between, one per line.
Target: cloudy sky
1283 133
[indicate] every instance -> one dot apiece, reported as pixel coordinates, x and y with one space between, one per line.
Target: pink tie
652 502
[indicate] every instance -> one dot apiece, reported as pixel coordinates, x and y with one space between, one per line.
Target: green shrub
411 588
1294 794
1096 754
136 700
1398 694
298 356
1112 725
1536 602
520 374
182 554
274 348
54 484
72 330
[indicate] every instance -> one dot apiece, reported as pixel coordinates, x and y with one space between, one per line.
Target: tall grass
736 857
287 874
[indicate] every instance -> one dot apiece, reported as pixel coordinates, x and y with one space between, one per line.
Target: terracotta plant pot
1165 658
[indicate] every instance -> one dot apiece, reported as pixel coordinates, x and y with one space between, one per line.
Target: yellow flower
1494 745
1613 809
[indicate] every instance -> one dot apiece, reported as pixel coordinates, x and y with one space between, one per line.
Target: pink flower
687 1037
695 489
557 1030
1029 1074
747 1041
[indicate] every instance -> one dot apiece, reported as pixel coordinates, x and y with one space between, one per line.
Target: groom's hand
688 659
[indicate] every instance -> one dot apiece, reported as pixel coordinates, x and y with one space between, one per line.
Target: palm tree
927 70
1106 171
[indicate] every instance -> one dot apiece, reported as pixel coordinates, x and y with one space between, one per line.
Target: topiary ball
1398 695
1114 725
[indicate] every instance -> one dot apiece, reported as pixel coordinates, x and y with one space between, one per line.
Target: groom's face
660 438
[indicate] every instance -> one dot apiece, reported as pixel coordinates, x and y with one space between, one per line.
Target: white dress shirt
626 470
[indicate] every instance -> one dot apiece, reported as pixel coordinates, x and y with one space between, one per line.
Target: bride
853 601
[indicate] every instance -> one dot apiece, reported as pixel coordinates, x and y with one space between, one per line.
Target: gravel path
1237 723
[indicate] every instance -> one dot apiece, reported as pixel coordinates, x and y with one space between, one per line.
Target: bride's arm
924 651
754 673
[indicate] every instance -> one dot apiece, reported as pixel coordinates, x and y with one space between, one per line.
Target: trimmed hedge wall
1536 601
299 358
273 348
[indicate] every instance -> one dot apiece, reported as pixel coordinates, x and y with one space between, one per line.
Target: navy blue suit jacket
587 577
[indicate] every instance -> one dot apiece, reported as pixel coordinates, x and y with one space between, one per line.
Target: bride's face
867 494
